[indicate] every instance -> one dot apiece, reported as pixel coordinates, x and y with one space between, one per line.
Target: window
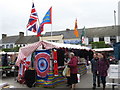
11 45
3 46
113 39
7 46
101 38
90 40
55 40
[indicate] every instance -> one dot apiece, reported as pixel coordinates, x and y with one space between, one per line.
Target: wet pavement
85 82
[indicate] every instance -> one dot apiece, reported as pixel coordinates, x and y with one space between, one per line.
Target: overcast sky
15 14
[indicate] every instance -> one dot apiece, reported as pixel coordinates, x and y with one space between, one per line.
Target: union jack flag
33 21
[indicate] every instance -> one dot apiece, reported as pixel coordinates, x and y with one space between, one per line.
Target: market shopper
67 59
73 69
30 77
103 66
94 66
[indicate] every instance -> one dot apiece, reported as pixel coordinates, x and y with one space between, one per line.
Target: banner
42 63
55 62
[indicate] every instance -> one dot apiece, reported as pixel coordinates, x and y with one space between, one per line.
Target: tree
15 49
100 44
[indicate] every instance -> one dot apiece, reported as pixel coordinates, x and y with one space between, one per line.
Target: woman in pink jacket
73 69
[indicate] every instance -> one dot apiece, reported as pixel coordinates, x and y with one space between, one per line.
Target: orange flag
76 33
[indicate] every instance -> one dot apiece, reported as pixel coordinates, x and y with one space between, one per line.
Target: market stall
7 61
48 61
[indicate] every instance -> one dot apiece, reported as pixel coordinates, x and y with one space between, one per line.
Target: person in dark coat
5 60
73 69
103 66
30 77
94 66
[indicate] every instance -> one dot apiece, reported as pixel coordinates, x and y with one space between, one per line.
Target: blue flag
46 20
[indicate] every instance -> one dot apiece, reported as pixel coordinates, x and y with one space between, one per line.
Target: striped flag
76 33
46 20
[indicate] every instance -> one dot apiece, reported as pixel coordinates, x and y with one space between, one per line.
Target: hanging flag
83 36
55 62
76 33
42 62
40 29
24 65
33 21
46 20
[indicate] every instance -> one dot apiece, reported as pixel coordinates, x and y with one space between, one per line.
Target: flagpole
51 33
39 24
51 27
115 17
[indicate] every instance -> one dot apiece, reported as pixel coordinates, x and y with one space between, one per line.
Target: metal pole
51 24
119 75
115 17
113 86
51 33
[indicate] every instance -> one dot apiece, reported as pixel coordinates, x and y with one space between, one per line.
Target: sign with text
114 72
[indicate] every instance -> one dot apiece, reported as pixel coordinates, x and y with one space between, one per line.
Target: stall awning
29 49
103 49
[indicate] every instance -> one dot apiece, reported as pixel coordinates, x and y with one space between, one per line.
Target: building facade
108 34
17 40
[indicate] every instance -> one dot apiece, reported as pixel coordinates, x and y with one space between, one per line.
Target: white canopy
103 49
8 52
29 49
62 45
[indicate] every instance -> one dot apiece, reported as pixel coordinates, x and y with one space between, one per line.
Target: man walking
94 66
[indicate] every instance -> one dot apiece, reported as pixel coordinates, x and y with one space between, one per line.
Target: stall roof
29 49
103 49
8 52
62 45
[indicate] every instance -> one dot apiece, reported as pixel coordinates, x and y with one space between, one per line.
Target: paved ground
85 82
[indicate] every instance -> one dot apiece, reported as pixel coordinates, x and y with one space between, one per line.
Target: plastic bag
66 71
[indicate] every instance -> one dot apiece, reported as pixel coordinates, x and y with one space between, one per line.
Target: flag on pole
46 20
33 21
48 17
76 33
83 36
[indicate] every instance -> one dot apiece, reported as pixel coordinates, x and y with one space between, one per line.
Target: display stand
53 81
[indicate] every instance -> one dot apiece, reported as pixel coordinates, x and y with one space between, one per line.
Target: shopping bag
64 71
68 72
78 77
